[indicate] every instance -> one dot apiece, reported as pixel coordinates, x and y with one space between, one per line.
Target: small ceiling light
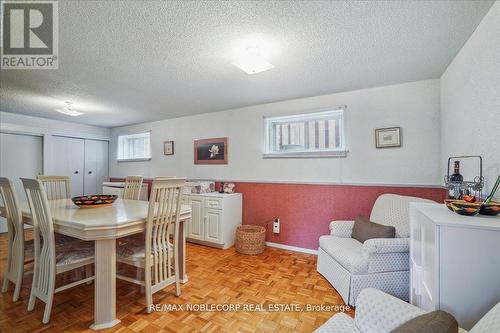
67 110
252 61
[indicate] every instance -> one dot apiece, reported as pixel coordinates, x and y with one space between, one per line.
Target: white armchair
378 312
382 263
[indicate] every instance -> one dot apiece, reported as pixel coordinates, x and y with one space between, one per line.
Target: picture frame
389 137
168 147
211 151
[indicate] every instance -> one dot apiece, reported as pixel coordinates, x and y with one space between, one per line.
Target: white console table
214 219
454 262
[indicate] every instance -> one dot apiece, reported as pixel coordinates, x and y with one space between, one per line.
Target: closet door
96 166
102 158
20 156
69 161
90 182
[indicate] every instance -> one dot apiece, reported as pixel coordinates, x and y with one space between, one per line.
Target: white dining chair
49 259
20 250
158 254
132 187
56 187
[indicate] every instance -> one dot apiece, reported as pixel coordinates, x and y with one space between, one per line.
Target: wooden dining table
104 225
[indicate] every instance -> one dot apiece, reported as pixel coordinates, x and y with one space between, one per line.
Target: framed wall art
168 147
388 137
210 151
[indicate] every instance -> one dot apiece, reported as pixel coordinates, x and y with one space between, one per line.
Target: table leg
182 252
105 285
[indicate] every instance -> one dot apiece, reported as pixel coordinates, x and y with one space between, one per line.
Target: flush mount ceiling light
252 61
67 110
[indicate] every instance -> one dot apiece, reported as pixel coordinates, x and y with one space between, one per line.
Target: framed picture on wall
210 151
168 147
388 137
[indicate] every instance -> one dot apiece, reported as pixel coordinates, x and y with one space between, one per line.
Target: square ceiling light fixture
67 110
252 61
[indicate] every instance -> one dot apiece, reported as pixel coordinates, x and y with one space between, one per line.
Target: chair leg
17 289
147 286
88 272
34 283
176 263
31 303
50 297
138 277
5 283
48 308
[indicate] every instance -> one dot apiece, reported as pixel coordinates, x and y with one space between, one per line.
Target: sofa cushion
432 322
348 252
364 229
339 323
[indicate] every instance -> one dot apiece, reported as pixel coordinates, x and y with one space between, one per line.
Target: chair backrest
56 187
394 210
15 227
489 323
163 216
45 257
132 187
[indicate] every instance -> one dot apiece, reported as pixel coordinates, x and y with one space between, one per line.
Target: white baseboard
292 248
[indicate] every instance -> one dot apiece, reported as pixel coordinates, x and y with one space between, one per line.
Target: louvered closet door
69 161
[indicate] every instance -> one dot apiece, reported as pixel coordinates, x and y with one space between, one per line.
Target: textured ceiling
124 62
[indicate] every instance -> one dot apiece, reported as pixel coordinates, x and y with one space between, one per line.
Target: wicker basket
250 239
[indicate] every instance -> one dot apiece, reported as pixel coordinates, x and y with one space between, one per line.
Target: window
134 147
314 134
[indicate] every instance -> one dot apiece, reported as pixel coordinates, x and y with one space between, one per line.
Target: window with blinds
134 147
312 134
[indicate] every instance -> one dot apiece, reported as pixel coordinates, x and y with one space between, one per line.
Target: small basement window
318 134
134 147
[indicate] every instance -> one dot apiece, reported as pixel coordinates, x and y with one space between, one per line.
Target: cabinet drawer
214 203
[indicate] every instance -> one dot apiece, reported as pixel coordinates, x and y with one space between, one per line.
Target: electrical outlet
276 225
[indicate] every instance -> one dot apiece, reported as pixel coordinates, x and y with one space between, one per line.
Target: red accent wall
306 210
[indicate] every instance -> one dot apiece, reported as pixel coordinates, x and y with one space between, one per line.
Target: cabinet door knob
76 172
90 172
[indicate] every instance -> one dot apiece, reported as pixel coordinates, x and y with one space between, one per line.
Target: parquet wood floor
215 277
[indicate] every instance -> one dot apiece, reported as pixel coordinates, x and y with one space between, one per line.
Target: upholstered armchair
382 263
378 312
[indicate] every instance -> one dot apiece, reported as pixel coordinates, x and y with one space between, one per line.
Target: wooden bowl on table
95 200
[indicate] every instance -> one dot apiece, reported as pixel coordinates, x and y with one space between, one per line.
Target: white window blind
134 147
312 134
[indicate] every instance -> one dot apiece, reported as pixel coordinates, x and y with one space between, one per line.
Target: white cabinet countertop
441 215
214 194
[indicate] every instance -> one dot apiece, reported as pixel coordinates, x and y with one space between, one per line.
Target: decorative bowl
463 207
95 200
492 208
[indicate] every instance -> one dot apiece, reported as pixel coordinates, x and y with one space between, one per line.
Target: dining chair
20 250
56 187
49 259
158 254
132 187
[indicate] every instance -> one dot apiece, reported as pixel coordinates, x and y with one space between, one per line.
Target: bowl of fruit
92 201
463 207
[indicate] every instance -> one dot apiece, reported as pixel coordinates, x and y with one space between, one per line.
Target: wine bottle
456 176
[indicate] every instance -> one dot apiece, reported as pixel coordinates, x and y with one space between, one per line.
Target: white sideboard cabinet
215 217
454 262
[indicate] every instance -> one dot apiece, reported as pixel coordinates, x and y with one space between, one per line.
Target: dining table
104 225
